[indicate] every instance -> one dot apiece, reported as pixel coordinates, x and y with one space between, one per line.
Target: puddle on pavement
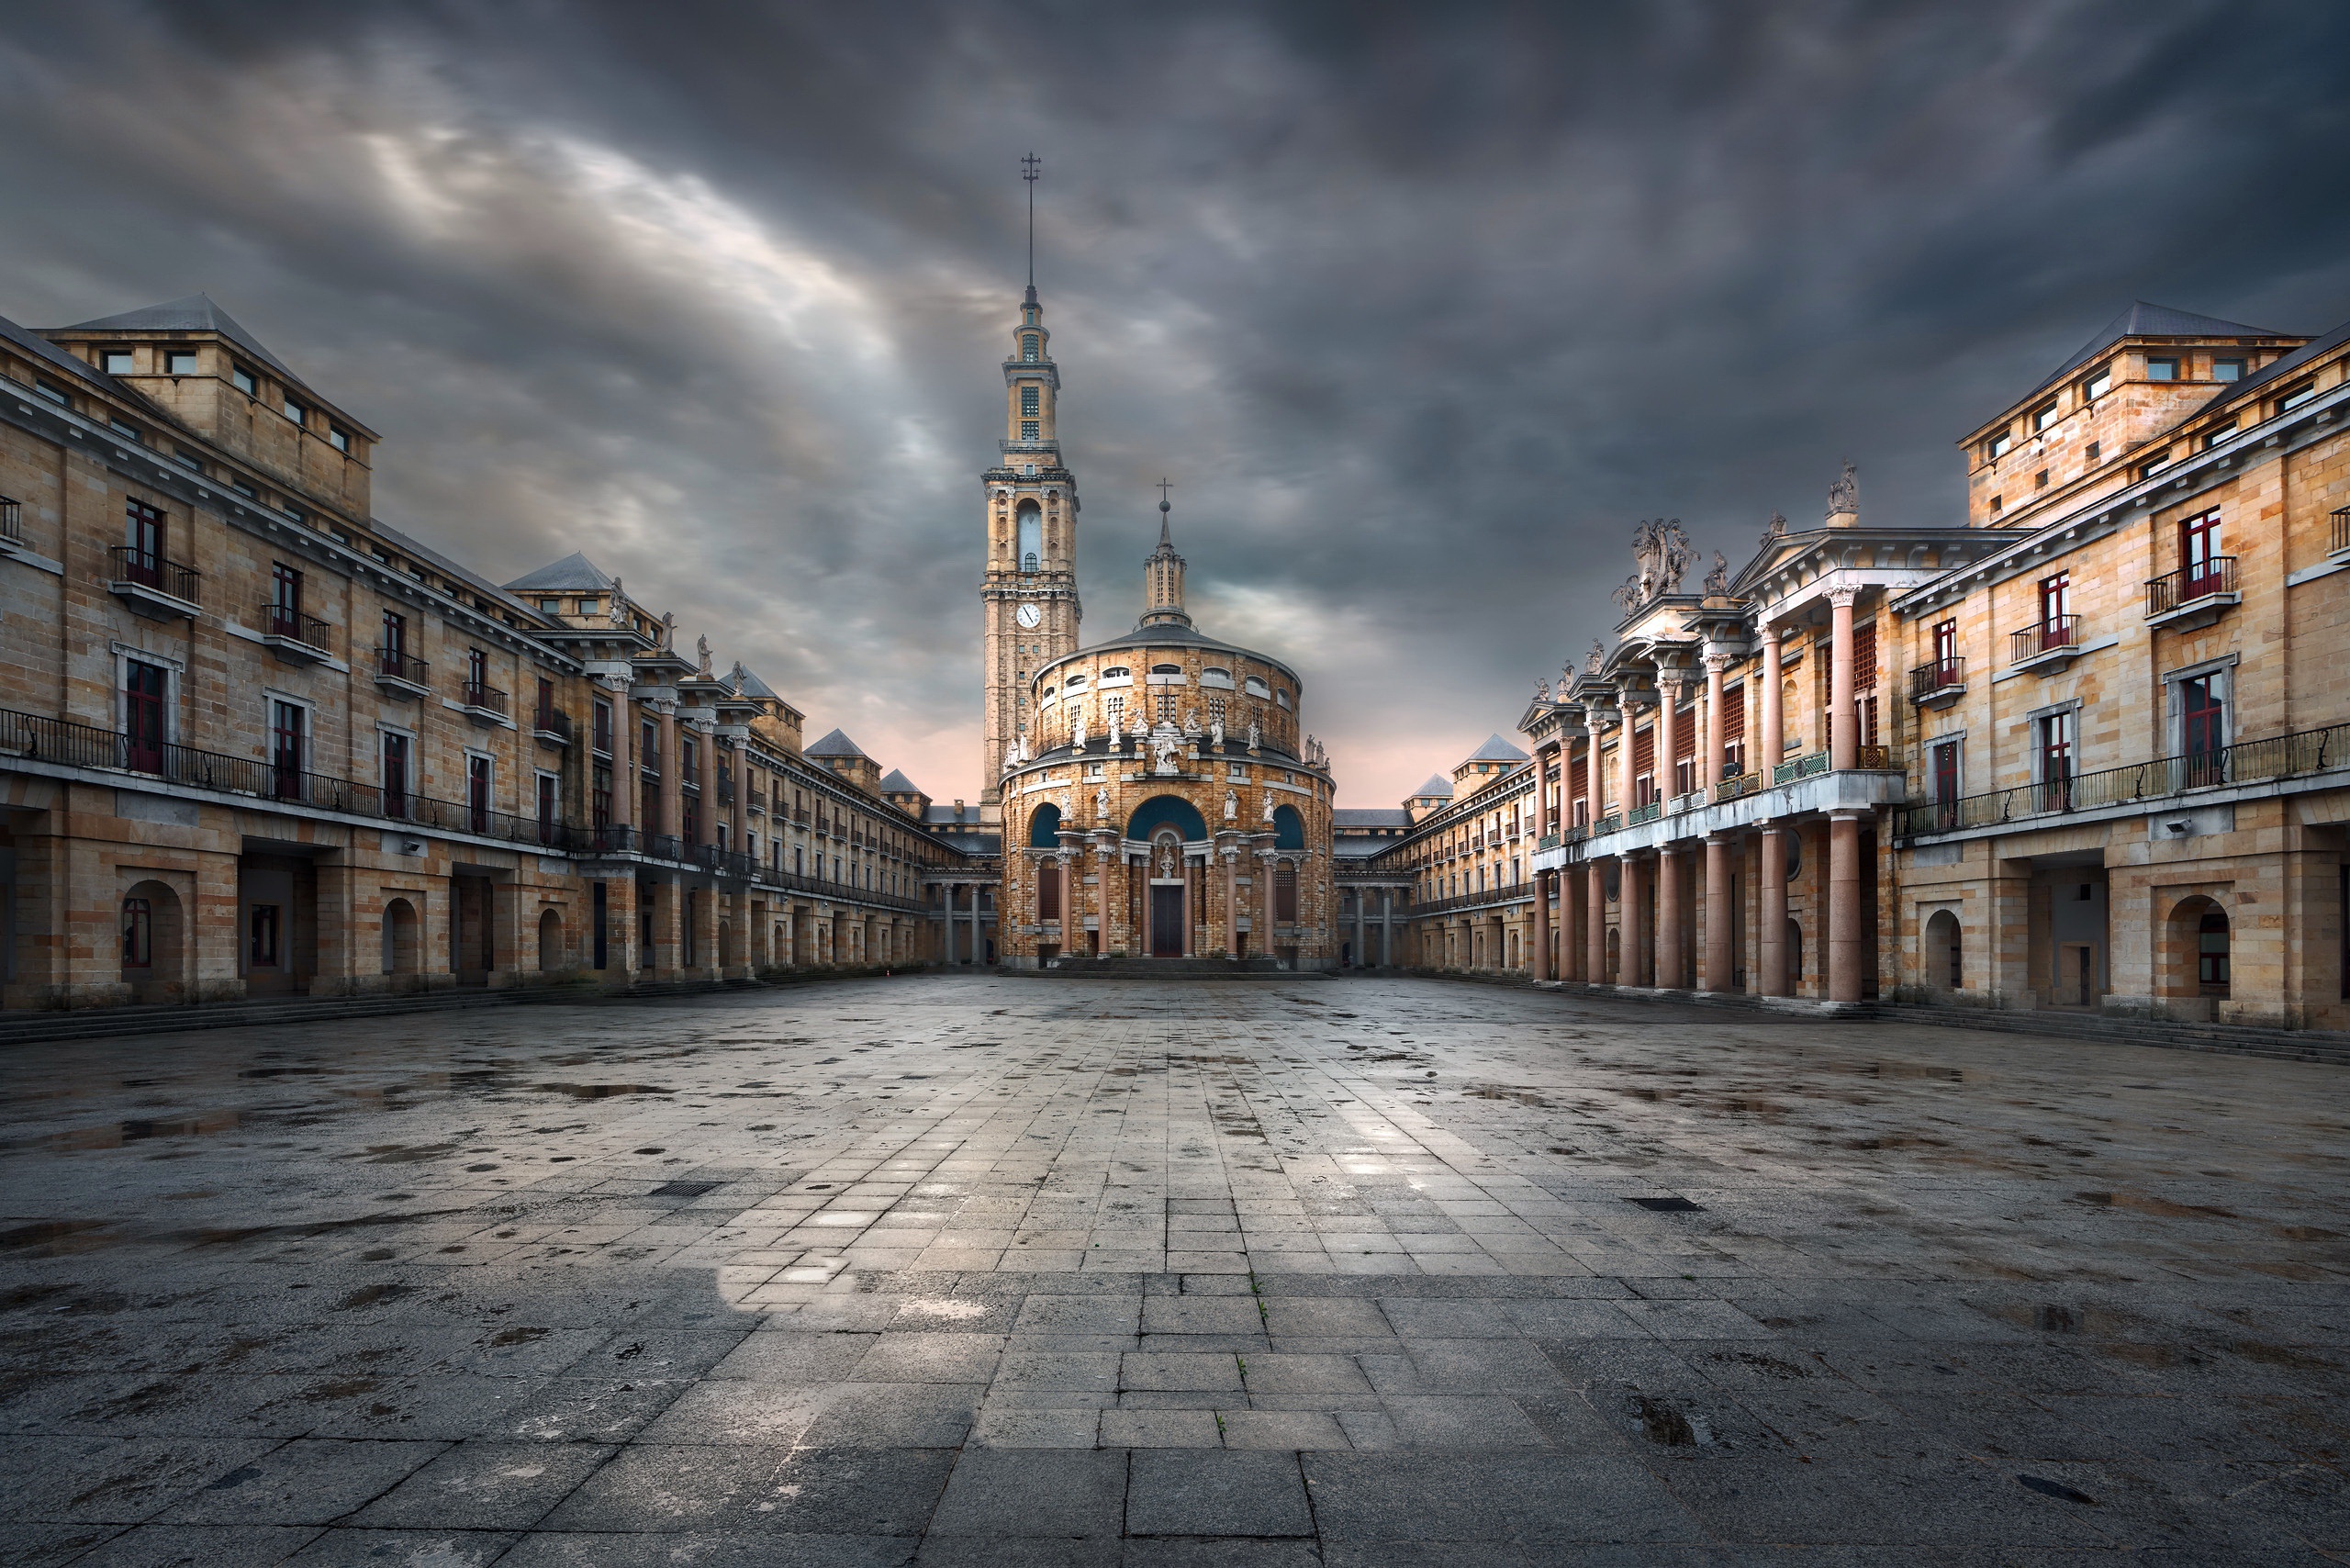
599 1091
2145 1204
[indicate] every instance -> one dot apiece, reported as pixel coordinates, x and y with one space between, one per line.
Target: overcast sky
1421 308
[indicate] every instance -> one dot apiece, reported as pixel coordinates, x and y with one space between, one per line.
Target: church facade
1157 796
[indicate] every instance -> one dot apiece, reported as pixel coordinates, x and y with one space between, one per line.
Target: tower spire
1030 167
1163 573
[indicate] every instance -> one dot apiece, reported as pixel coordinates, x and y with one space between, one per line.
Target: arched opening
1032 536
403 937
1169 878
1942 957
2198 963
1045 826
154 938
1288 828
1614 953
1166 810
1794 958
550 939
727 957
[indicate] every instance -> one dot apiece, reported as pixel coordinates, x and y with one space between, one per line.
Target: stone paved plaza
1010 1270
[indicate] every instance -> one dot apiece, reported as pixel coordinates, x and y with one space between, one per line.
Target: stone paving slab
971 1270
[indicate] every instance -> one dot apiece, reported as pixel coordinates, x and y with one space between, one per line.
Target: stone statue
1165 859
738 672
1011 756
1256 736
1076 727
1542 690
1165 743
1844 495
1566 680
1717 580
668 629
1191 722
1598 657
1101 805
620 605
1630 594
1775 529
701 647
1268 805
1215 733
1231 806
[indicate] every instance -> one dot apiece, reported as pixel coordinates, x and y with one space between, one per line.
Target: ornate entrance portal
1166 920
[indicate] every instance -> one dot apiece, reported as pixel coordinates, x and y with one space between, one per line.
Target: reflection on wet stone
991 1263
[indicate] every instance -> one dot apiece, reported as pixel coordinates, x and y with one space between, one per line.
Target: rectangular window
2055 599
2198 555
339 437
128 431
599 799
179 362
2098 386
143 687
1996 447
50 391
2203 731
1028 429
2054 746
2044 417
2227 370
395 637
648 747
550 807
2217 433
244 381
117 362
395 775
2162 370
1946 650
138 933
285 600
1029 399
2297 396
544 708
294 411
288 724
1864 657
1945 776
143 533
603 732
2090 453
477 793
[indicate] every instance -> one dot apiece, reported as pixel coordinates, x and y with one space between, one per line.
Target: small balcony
485 704
12 526
1647 813
396 675
292 636
551 727
153 587
1737 785
2338 542
1876 758
2048 647
2194 596
1940 684
1801 767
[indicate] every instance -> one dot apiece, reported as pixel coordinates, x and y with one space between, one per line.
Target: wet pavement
991 1271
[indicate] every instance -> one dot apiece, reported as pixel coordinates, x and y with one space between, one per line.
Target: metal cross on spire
1030 166
1164 505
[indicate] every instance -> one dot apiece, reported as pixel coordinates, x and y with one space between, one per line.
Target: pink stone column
1720 915
1595 937
1847 946
1668 724
1844 733
1632 918
1628 768
1538 965
1771 914
1670 973
1774 719
1714 741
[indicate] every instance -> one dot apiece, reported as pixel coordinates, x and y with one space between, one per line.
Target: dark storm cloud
1421 308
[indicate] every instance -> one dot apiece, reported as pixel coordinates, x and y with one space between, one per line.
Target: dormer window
2162 370
339 437
179 362
1996 447
2097 386
2044 417
244 381
1167 669
2297 396
2217 433
117 362
50 391
1117 672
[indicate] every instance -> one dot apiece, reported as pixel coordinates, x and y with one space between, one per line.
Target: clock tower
1028 599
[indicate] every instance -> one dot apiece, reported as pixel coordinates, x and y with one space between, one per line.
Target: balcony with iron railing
550 727
483 703
12 523
293 635
1939 683
1801 767
2338 540
397 675
71 744
2275 759
151 584
2193 595
2054 641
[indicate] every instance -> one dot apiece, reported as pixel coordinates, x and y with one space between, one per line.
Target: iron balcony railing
2340 537
488 699
1516 892
285 620
552 723
2053 636
1801 767
1548 841
395 665
12 523
1874 759
148 569
1732 788
1943 675
84 746
2247 762
2172 590
1606 824
1647 813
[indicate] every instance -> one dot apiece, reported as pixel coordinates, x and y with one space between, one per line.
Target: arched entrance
1169 879
1942 957
1795 957
153 942
403 937
550 939
2199 961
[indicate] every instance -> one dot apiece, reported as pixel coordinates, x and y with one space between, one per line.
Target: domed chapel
1159 798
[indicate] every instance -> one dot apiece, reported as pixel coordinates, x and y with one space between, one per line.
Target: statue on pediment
1775 529
1844 495
1717 580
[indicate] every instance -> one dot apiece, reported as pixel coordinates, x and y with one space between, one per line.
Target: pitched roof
1437 784
1345 817
837 743
1496 749
896 783
2145 320
197 313
750 684
574 574
2281 367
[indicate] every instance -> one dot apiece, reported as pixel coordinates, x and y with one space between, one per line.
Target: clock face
1028 615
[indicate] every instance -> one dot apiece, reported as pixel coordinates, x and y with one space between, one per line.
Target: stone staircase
1171 968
